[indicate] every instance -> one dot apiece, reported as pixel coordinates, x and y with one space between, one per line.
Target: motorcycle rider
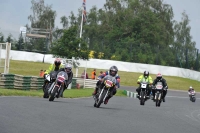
112 72
68 69
159 78
145 77
191 89
53 67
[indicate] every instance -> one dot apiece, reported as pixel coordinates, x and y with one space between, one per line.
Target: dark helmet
146 74
159 76
68 68
113 70
57 62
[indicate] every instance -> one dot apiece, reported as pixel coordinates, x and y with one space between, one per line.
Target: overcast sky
14 13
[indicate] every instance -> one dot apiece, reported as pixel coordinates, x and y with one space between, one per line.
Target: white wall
106 64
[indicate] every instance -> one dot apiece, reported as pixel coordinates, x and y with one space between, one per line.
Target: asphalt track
120 115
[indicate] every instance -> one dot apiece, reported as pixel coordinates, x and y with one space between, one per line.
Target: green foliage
68 45
42 17
141 31
138 31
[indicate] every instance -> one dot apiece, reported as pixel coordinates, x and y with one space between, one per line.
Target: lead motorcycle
158 93
57 88
143 92
103 93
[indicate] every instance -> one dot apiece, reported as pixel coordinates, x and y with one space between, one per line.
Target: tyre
46 94
193 99
95 104
44 88
142 99
100 100
53 95
157 100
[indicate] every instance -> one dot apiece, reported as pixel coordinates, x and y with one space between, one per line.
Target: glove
166 87
138 82
116 87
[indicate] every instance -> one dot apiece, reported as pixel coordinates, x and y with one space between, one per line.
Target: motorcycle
104 92
158 93
56 89
143 92
50 78
192 96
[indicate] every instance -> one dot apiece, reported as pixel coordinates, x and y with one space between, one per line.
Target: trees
68 45
183 44
42 17
141 31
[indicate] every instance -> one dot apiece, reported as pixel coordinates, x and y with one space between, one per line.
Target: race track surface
120 115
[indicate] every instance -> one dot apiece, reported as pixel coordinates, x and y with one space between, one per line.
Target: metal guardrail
86 83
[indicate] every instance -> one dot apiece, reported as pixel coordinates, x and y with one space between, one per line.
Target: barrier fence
13 81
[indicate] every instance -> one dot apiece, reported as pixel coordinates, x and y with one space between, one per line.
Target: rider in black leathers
159 78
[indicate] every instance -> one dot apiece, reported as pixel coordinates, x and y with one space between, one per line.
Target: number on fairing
109 83
159 87
144 85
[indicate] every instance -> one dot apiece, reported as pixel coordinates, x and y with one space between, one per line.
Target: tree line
141 31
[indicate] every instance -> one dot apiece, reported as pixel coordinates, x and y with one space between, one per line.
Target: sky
14 13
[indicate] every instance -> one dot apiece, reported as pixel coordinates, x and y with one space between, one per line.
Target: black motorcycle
158 94
143 92
105 91
50 79
58 86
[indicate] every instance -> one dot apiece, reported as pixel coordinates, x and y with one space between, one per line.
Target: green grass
72 93
13 92
127 78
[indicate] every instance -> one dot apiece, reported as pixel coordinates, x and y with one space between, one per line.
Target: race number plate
159 87
144 85
109 83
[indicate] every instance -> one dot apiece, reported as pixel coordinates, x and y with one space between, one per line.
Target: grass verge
72 93
127 78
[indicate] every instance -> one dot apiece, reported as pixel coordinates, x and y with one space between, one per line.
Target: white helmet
68 68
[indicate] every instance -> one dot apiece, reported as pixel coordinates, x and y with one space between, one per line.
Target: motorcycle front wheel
142 99
100 100
158 101
53 95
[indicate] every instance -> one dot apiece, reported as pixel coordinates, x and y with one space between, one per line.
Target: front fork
59 87
101 92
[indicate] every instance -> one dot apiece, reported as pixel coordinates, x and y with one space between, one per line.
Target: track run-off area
121 115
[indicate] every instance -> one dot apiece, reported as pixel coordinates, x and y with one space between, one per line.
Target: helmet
68 68
191 88
57 62
113 70
146 74
159 76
